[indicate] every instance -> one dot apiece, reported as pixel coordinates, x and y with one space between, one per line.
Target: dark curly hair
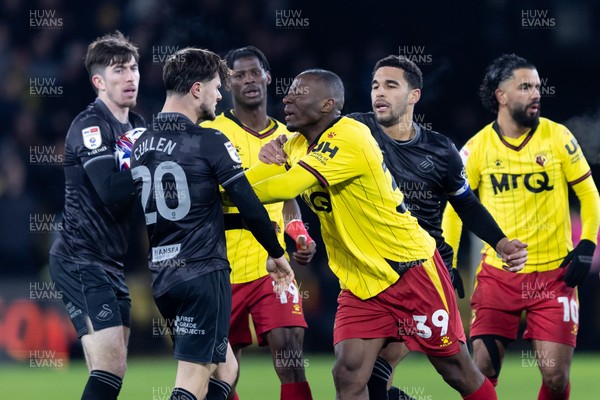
497 72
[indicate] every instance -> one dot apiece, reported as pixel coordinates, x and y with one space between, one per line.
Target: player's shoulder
88 127
367 118
436 139
482 137
136 120
220 121
351 127
92 114
553 129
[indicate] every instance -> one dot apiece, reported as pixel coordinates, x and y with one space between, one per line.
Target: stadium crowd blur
452 40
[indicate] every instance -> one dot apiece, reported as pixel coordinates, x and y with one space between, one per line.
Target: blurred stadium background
44 85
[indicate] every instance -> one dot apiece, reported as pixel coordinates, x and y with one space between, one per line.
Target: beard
521 116
207 113
392 118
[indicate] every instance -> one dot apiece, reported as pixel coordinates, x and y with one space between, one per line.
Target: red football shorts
268 310
419 309
551 307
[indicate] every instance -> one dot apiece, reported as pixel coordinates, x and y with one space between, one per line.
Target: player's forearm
285 186
291 211
255 216
477 218
587 193
111 186
452 229
261 171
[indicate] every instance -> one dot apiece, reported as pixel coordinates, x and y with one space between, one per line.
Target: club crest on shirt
92 139
232 152
541 159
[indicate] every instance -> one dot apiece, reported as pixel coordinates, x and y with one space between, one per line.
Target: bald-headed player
388 266
428 169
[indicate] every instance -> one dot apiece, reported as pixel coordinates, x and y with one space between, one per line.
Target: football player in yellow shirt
394 283
278 321
522 166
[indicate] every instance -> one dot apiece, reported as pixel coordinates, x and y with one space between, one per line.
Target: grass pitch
153 378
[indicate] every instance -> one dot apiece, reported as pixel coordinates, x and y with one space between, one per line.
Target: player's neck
173 104
120 113
254 118
509 127
312 132
403 130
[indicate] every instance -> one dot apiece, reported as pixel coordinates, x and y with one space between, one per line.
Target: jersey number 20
150 186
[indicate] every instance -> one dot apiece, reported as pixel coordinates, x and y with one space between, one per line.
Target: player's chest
535 169
417 172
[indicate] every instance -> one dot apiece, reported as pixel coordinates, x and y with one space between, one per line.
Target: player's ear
196 89
268 78
500 96
328 105
414 96
98 82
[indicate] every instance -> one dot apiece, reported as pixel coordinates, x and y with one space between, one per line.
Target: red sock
494 381
485 392
546 394
296 391
235 397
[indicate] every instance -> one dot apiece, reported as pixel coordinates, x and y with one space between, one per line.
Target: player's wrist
295 228
501 244
587 245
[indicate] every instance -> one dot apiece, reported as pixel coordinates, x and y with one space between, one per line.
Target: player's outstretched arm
479 221
254 214
272 152
285 186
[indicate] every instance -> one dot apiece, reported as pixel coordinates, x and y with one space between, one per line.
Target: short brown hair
191 65
110 49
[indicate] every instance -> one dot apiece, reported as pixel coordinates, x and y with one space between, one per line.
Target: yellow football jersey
247 257
366 228
524 184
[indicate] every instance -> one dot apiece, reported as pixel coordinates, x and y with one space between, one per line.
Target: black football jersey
93 231
177 167
426 168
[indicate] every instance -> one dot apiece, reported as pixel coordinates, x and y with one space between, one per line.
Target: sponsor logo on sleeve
232 152
92 139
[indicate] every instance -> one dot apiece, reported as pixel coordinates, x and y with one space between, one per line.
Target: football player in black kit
427 168
86 261
178 167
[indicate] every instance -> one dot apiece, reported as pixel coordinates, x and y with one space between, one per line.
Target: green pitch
152 379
